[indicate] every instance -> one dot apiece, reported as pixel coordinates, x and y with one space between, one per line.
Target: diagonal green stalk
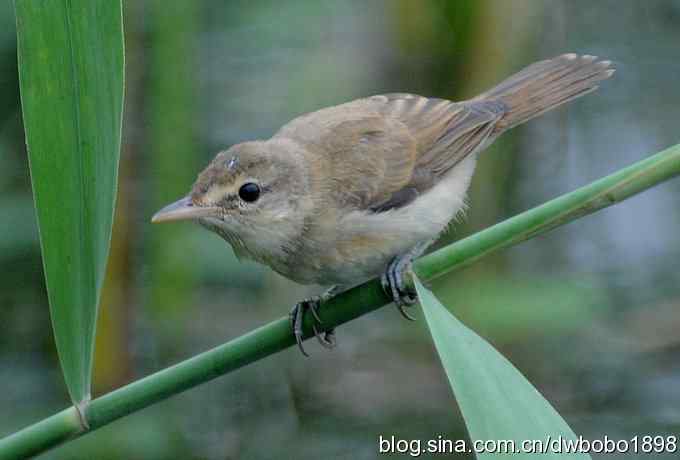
586 200
276 336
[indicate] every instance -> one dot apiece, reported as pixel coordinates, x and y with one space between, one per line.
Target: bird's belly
360 247
353 263
349 248
336 267
364 243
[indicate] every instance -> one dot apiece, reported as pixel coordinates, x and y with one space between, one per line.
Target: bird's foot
393 284
297 314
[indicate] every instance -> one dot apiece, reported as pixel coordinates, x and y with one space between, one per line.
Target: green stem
586 200
276 336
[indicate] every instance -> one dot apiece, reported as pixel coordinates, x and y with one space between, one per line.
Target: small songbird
358 190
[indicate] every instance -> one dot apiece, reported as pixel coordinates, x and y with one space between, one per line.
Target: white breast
396 231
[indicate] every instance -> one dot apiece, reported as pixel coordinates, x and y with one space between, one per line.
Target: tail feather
545 85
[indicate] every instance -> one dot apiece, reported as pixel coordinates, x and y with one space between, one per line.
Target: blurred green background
590 313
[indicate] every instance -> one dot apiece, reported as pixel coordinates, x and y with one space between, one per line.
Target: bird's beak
184 209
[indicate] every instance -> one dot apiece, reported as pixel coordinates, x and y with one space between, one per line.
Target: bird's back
385 150
396 167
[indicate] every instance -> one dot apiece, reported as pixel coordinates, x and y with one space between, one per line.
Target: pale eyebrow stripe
217 192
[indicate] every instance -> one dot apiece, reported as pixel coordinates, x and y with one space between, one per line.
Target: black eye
249 192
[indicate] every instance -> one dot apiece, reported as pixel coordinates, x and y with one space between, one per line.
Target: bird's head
252 192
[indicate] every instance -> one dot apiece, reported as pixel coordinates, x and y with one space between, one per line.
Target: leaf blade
496 400
71 80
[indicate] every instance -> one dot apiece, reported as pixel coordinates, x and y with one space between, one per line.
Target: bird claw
327 339
393 284
297 314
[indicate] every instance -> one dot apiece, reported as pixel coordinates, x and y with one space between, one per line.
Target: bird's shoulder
339 124
365 155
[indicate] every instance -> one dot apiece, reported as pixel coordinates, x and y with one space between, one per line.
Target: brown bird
350 192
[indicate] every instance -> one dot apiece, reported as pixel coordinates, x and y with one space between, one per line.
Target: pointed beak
184 209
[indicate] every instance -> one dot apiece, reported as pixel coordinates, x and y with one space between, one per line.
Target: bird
359 190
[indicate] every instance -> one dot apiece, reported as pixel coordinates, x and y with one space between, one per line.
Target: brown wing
363 156
446 132
385 150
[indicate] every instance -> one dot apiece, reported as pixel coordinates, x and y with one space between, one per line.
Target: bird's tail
545 85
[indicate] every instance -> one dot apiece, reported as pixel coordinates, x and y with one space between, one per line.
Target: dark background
590 313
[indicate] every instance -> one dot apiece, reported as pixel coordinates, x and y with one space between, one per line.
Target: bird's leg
297 314
393 285
393 279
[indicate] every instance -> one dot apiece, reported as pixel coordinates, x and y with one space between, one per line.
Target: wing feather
383 151
445 132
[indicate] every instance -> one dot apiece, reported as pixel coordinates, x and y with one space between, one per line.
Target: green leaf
496 400
71 79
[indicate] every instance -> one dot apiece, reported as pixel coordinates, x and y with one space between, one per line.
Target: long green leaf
71 77
497 402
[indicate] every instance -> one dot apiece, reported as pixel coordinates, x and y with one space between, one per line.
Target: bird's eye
249 192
